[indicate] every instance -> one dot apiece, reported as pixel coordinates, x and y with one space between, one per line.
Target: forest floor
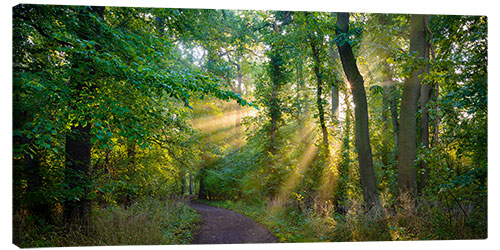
222 226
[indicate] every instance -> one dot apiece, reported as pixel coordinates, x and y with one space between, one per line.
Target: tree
425 91
407 175
314 41
87 75
277 75
367 173
78 145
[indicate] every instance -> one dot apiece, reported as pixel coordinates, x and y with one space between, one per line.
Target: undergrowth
147 222
319 223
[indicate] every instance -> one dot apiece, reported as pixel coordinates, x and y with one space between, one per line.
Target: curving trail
222 226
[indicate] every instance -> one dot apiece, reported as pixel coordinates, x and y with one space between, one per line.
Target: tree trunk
190 184
424 131
335 86
436 122
276 81
182 178
335 103
319 92
77 148
367 173
202 193
394 115
274 110
407 153
301 95
425 91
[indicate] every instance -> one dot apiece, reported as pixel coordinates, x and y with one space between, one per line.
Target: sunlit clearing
291 182
215 122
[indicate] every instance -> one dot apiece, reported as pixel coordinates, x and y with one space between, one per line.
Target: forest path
222 226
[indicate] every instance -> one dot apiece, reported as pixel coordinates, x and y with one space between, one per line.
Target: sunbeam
330 176
218 121
303 163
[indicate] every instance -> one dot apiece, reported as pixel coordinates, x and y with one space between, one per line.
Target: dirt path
222 226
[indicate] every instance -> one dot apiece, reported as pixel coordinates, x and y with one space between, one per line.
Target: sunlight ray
330 175
303 163
218 121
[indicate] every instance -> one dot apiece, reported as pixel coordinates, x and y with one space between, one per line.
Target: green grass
149 222
290 223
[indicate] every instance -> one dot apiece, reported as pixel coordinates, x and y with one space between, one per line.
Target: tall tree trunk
335 102
202 192
274 107
407 181
389 102
182 178
78 146
425 90
394 115
319 92
301 89
367 173
276 81
190 184
77 168
335 86
390 105
385 106
424 131
436 122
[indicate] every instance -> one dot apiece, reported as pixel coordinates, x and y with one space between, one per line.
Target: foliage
454 203
227 103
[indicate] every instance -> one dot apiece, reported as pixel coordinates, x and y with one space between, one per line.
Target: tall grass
148 222
408 220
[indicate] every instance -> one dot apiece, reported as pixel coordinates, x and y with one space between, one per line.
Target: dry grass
150 222
407 220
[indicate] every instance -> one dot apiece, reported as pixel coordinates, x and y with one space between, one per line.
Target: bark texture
367 173
407 174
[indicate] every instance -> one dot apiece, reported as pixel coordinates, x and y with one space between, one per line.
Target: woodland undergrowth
145 222
408 220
